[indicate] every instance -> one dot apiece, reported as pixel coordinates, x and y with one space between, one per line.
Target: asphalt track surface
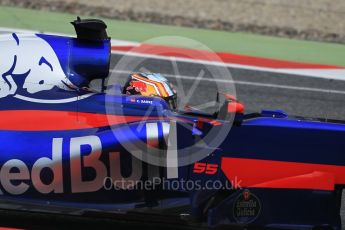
296 95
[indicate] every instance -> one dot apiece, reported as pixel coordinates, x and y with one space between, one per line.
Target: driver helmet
151 85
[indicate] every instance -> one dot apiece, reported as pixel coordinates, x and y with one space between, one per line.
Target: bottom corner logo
246 208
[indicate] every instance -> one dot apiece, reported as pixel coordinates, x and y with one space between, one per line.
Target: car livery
63 143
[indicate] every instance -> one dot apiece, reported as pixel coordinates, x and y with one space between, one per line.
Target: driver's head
151 85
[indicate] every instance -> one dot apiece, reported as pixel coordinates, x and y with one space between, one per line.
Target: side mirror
231 107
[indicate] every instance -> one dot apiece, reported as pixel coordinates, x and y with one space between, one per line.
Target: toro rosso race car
128 149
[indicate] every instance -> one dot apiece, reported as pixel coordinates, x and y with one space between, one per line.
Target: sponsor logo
139 86
247 207
16 177
28 66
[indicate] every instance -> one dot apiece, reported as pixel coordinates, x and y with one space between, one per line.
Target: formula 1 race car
128 149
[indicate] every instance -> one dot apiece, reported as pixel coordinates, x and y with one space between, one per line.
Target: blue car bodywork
66 144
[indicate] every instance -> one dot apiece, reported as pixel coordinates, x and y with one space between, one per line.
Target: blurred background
319 20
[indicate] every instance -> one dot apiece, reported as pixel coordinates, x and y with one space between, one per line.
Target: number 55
209 169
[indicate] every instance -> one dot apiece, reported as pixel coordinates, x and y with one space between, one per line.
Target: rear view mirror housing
231 107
